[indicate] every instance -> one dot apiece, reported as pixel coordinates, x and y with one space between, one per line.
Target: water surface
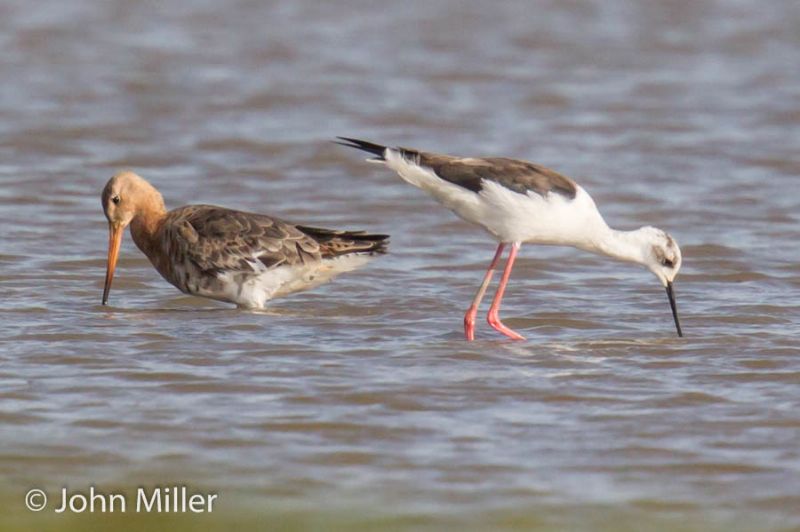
358 404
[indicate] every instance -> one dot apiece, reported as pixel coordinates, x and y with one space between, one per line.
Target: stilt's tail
413 156
375 149
338 243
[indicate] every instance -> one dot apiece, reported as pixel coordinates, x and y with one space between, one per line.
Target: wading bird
227 255
517 201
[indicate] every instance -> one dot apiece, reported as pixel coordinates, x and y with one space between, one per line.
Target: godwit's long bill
227 255
518 201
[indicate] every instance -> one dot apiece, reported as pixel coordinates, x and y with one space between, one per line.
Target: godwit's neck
621 245
146 224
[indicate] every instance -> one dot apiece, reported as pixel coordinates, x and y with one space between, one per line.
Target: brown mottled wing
217 239
517 175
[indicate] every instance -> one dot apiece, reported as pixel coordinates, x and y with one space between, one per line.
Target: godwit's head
662 256
125 196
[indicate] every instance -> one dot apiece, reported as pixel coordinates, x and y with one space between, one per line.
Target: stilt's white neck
626 246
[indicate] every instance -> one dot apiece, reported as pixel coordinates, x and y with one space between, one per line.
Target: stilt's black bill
671 296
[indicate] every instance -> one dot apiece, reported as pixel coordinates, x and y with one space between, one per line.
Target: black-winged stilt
517 201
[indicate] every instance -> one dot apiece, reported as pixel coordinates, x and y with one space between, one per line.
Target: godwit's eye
115 199
668 263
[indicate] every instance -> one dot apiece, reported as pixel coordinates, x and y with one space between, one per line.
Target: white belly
254 290
509 216
550 219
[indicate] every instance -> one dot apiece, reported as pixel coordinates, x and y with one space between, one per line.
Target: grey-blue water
360 402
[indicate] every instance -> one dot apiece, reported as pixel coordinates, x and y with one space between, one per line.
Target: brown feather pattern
470 172
204 241
226 237
224 254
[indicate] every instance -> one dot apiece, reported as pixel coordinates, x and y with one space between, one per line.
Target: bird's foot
469 323
497 325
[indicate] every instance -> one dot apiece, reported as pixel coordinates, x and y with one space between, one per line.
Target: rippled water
360 402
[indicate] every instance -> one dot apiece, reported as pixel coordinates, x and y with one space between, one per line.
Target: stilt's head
125 196
662 256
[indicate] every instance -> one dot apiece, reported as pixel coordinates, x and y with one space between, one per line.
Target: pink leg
492 317
472 311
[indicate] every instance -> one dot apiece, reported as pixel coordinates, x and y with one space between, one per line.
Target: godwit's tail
335 243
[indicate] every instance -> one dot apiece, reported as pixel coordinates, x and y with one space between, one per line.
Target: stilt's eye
115 199
668 263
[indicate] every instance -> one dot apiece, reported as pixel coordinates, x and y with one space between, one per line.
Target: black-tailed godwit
227 255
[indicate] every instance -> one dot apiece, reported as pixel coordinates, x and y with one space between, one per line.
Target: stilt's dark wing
513 174
471 172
